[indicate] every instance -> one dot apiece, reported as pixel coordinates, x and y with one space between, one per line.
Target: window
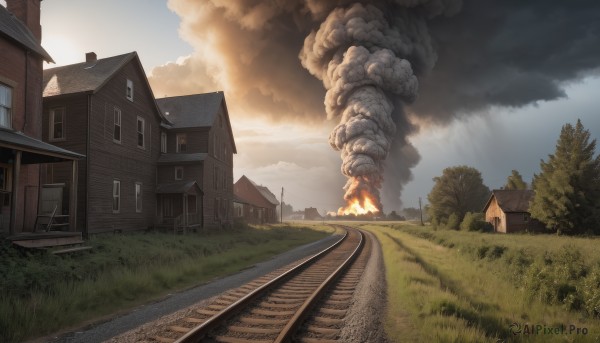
138 197
191 204
215 177
116 196
57 124
181 142
117 126
526 217
178 173
216 209
141 125
163 142
129 91
5 106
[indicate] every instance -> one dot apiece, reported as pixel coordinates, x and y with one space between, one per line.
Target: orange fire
355 207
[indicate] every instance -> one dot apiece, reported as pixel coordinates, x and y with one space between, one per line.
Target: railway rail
306 303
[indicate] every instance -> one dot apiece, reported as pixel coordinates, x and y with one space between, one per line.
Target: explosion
355 53
359 205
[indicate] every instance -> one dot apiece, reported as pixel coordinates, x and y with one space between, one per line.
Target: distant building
508 211
311 213
22 152
256 203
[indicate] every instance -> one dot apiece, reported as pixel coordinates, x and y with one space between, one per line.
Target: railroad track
306 303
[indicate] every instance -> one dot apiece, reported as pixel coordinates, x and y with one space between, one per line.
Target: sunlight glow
62 50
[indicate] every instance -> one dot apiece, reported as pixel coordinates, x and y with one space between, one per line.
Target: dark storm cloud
467 56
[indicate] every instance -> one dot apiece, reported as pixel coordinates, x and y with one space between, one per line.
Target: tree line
566 189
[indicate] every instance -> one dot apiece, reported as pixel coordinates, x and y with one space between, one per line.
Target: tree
567 190
459 190
411 213
515 181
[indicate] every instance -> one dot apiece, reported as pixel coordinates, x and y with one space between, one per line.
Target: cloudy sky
497 80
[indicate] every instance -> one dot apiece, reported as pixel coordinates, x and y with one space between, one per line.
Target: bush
473 222
453 222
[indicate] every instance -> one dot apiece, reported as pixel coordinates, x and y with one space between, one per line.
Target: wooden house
256 203
22 152
105 109
508 211
197 145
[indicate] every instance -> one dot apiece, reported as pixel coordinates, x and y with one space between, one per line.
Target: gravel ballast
364 321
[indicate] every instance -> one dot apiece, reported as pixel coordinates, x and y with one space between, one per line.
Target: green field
42 293
454 286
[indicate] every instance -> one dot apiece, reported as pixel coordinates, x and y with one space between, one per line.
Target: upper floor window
117 126
5 106
141 126
57 124
163 142
129 91
181 142
178 173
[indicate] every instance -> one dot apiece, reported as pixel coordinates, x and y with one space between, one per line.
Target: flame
359 205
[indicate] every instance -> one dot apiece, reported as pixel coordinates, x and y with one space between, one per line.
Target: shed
508 211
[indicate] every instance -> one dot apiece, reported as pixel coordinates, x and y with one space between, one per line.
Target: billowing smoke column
356 55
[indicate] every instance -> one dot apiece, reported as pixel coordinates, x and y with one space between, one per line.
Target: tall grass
42 293
454 287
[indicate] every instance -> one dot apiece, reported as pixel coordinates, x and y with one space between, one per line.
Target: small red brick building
508 211
254 203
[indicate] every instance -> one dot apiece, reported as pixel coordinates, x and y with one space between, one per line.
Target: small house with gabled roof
197 145
508 211
256 202
105 109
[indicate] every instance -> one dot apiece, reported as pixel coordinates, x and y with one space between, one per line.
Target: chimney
28 11
91 57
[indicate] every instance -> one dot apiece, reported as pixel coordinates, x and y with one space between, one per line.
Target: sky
480 117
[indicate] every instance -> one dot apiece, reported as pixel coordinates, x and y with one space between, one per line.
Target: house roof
181 187
196 110
511 200
35 151
16 30
83 77
181 158
264 191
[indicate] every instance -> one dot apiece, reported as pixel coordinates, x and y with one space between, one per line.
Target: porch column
15 192
73 197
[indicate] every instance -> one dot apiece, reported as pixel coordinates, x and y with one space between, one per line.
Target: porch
21 204
179 207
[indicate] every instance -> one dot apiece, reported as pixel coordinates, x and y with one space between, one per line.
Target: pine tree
515 181
567 190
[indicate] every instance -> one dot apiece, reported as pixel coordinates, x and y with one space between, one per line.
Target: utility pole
421 211
281 206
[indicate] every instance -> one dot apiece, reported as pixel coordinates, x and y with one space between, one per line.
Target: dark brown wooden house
256 203
508 211
105 109
22 153
197 145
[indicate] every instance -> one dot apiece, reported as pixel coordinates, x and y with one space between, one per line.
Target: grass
42 293
451 286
